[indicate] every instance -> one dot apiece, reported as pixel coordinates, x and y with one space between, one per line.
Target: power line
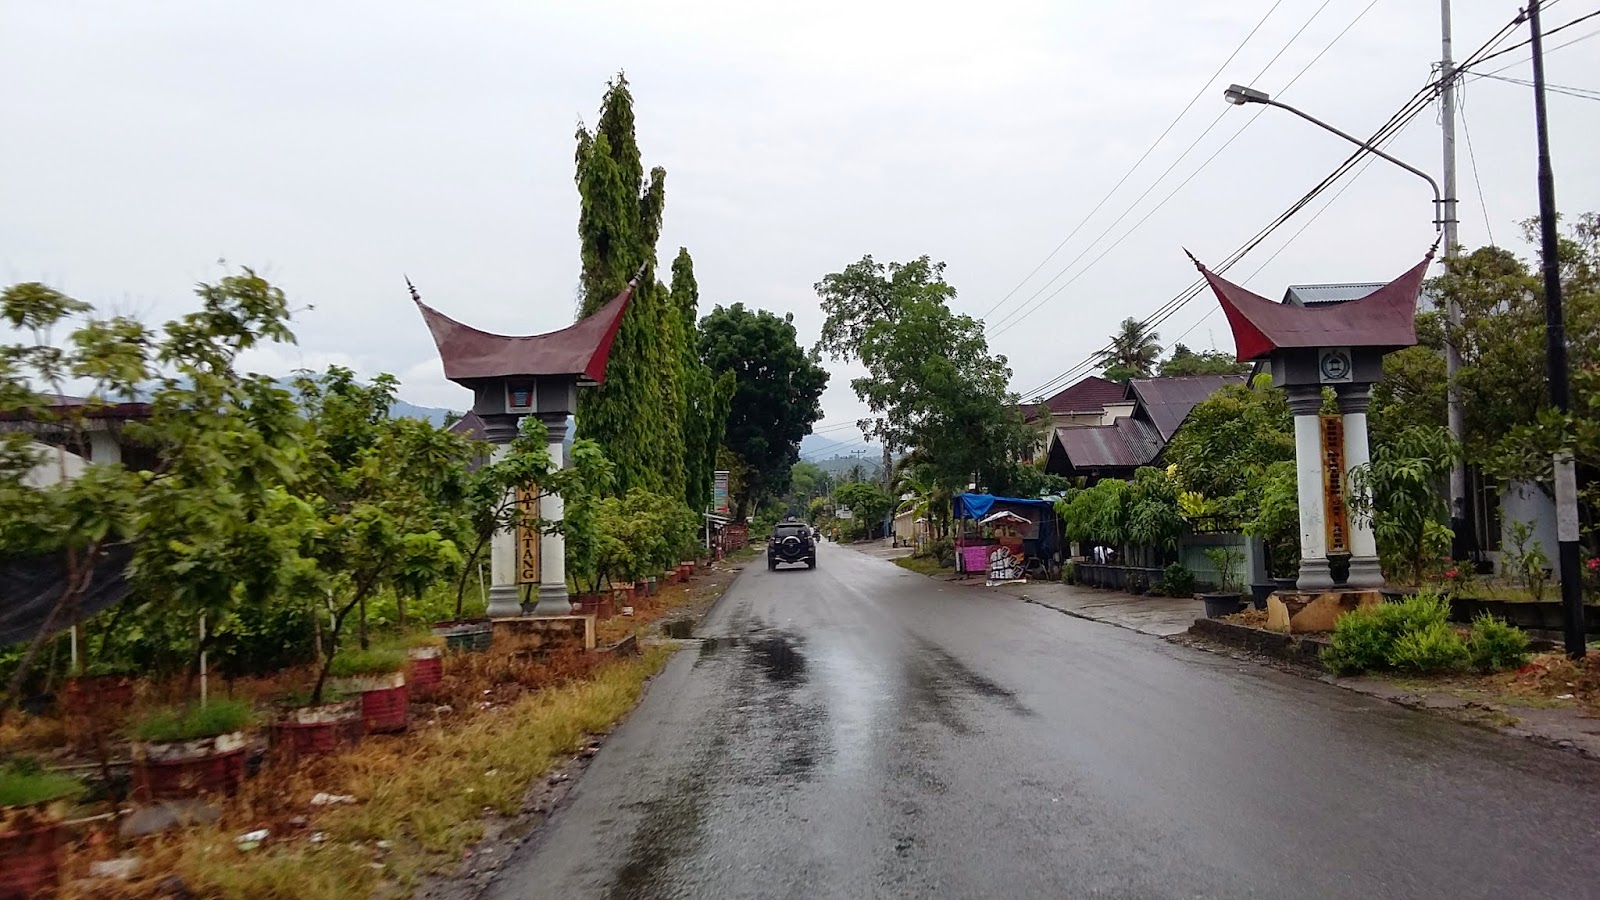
1011 319
1472 157
1151 149
1584 93
1526 41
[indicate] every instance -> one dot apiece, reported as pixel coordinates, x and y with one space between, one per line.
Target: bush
189 723
1360 642
24 783
941 551
1436 648
377 661
1494 645
1177 581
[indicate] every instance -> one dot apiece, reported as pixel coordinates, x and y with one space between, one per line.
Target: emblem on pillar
512 377
1339 347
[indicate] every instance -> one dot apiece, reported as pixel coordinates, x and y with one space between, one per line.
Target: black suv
791 543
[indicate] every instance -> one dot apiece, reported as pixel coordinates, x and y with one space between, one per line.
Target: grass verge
923 565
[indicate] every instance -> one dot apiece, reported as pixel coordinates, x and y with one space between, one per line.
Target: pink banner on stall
975 559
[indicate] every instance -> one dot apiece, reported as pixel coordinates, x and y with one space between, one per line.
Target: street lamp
1239 95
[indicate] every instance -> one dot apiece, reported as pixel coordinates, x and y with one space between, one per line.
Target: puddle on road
780 658
679 629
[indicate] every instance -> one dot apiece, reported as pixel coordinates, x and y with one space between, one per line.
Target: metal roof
1318 294
1127 444
1167 401
1087 396
1384 319
580 349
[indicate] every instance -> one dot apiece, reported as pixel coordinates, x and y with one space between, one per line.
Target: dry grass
1250 617
425 792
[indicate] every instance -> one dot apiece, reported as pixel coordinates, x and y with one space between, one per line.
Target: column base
505 601
1314 576
553 601
1365 572
1291 612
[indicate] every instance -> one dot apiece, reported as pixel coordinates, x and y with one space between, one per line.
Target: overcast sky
334 146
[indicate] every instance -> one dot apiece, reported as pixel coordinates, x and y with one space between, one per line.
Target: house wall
1524 501
51 463
103 447
1113 412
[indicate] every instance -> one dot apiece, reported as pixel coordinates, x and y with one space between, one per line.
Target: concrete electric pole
1460 518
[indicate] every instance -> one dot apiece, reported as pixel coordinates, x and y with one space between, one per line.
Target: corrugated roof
1087 396
1167 401
469 426
1325 294
1128 444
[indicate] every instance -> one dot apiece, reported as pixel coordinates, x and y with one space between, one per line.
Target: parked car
792 542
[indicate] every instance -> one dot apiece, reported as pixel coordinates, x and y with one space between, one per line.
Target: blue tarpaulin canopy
976 506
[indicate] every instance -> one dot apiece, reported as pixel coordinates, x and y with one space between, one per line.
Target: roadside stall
1029 530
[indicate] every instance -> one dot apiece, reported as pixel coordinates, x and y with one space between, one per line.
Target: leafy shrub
1435 648
1176 581
24 783
1361 641
1419 612
1496 645
191 722
942 551
376 661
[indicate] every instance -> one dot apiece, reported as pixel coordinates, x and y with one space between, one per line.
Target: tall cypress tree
697 396
633 416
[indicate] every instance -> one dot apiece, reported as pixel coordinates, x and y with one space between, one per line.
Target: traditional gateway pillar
531 375
1310 350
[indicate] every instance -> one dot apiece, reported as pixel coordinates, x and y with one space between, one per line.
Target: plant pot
175 770
425 669
1396 595
318 730
1221 603
471 636
1259 594
98 695
385 700
29 854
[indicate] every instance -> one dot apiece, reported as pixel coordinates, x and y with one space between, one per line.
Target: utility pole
1556 361
1465 540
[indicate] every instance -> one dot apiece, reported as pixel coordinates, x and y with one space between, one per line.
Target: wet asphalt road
859 731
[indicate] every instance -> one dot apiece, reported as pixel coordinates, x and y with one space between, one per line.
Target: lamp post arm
1438 200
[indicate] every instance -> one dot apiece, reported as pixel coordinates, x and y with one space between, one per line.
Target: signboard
1005 567
843 513
528 537
1334 365
1333 499
719 493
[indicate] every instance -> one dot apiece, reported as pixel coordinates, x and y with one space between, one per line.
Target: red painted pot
97 694
318 730
385 703
426 670
174 770
29 861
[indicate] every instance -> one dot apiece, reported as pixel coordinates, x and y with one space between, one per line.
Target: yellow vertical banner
527 536
1333 492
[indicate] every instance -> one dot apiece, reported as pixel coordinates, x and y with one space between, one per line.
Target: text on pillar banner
1333 484
527 536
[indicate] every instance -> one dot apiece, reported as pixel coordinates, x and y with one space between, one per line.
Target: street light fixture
1239 95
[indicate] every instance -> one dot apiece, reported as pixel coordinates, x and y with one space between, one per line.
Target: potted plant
1225 600
378 676
184 751
101 690
304 728
425 665
33 803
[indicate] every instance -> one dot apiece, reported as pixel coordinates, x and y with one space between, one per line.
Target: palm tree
1133 352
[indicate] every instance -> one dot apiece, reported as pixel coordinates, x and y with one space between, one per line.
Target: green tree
776 398
705 396
867 502
388 495
1399 493
212 525
1228 441
1184 361
636 415
1133 352
867 292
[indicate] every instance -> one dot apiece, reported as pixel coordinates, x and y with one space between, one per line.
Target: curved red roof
581 348
1385 318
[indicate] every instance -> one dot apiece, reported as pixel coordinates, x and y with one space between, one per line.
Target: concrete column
1365 570
1305 401
505 601
553 599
